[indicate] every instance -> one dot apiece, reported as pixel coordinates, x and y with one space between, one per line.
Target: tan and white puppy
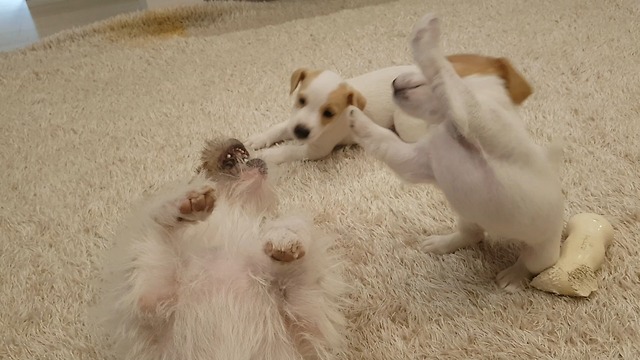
318 118
478 153
202 270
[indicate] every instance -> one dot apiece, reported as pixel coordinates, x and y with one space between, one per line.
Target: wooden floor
23 22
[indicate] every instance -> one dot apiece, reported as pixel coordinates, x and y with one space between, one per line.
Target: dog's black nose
301 132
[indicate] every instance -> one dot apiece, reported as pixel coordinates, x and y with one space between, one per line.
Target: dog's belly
503 199
227 306
463 175
210 271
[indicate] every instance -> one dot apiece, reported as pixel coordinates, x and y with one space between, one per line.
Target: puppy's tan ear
519 89
357 99
297 77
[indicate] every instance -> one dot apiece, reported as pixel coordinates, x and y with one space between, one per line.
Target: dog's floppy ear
297 77
519 89
354 97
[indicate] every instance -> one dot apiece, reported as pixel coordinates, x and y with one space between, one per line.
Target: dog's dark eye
328 114
302 101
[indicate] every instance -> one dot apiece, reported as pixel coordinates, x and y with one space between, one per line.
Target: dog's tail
555 152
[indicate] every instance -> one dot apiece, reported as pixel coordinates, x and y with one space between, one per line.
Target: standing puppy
479 154
198 273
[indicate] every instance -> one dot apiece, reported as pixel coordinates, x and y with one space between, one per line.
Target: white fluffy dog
479 154
199 273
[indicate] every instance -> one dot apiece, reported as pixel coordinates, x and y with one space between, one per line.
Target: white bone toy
581 256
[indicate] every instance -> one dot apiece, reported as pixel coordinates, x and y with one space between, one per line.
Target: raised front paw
197 204
258 141
425 37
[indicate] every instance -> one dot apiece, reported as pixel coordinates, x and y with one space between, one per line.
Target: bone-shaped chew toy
581 256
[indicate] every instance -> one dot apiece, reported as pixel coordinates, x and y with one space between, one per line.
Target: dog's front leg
447 97
410 161
289 153
274 134
155 251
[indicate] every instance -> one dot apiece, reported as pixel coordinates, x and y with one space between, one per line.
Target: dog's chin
254 174
251 190
241 180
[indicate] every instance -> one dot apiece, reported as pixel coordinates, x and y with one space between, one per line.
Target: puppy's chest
460 169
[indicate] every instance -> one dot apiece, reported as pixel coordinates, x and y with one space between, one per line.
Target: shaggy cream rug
93 117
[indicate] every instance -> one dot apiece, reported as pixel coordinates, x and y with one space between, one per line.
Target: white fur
478 153
375 86
210 289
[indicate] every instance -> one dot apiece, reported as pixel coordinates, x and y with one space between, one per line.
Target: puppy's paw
285 239
258 141
360 124
197 204
286 252
426 32
446 244
439 244
274 155
513 278
425 44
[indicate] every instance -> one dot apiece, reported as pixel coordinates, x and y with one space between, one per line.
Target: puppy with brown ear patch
203 271
318 117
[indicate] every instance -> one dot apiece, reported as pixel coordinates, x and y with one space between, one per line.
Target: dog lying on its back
479 154
199 273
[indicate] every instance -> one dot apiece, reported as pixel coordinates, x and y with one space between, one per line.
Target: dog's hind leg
308 279
153 251
286 239
533 259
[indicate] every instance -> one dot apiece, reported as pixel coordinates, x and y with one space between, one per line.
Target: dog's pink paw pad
201 201
288 253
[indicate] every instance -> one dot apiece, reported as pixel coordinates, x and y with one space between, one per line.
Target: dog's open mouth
224 158
232 155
